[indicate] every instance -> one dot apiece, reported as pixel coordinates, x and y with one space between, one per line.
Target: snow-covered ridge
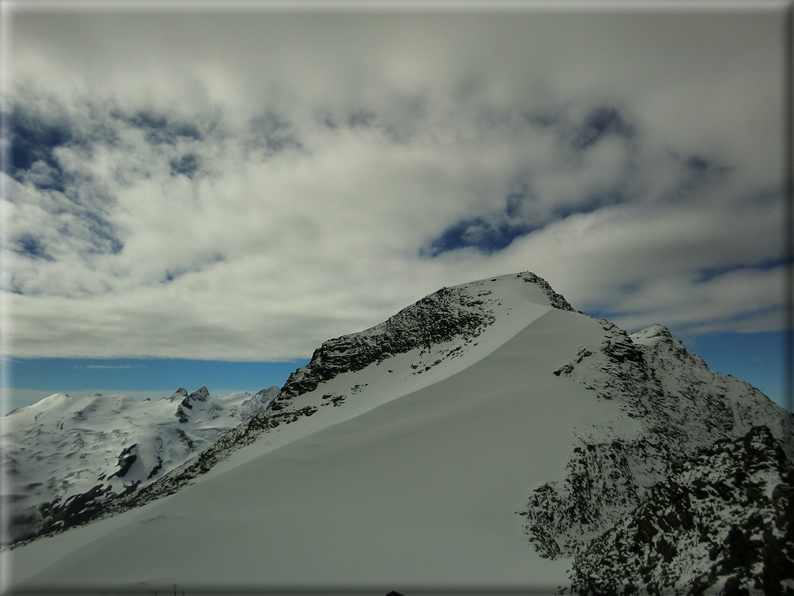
63 455
422 344
519 443
462 311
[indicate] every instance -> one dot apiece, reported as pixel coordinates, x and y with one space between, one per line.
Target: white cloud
324 153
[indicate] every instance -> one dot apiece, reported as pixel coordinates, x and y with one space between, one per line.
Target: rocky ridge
675 408
436 318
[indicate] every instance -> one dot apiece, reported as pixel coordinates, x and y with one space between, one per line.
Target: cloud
114 366
244 186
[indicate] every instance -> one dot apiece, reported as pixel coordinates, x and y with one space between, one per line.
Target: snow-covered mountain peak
200 395
456 315
179 394
651 334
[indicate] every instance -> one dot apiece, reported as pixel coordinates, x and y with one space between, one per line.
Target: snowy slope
62 454
422 453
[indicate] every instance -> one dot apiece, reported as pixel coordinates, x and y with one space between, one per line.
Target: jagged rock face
180 393
678 408
127 458
447 313
724 522
182 411
200 395
434 319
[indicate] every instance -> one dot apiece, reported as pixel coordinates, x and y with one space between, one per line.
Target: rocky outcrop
127 457
723 522
437 318
182 411
556 300
681 412
180 393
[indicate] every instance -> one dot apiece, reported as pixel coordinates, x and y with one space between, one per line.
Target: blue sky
233 188
32 379
753 357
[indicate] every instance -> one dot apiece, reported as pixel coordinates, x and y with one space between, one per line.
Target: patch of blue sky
32 248
186 165
31 147
54 375
194 267
758 358
490 237
479 234
33 141
707 273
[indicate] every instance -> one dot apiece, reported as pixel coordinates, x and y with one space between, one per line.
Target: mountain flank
487 435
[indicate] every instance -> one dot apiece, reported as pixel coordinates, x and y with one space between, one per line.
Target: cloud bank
243 186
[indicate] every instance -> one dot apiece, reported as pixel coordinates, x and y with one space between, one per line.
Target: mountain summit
459 313
488 435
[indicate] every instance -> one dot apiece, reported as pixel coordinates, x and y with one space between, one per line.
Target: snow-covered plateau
487 438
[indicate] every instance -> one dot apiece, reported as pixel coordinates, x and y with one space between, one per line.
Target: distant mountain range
64 456
487 437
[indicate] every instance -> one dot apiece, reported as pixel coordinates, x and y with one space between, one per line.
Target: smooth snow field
405 487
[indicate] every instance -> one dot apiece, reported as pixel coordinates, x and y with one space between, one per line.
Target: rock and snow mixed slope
488 435
64 456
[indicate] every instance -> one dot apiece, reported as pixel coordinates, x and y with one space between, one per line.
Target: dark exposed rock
127 457
181 415
437 318
200 395
158 466
76 510
725 521
186 440
178 394
555 299
447 313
